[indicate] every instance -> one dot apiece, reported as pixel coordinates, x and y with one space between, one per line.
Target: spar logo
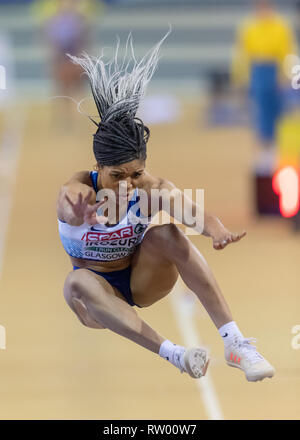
105 236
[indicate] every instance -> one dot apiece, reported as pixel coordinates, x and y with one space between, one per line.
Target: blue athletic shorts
120 279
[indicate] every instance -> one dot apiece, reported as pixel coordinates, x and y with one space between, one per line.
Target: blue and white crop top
104 243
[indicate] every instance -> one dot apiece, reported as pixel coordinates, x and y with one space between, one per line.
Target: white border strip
183 311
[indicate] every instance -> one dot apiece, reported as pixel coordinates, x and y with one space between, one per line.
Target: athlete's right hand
83 210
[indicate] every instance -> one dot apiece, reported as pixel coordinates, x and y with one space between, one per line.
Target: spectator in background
67 29
262 43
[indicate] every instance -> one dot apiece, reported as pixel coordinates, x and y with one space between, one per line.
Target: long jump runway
55 368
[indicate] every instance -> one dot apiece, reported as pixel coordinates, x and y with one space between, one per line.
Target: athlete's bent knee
75 293
169 239
75 282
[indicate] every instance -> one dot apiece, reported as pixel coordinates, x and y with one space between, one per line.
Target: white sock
229 331
172 353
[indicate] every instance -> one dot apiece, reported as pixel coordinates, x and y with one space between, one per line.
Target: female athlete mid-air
121 261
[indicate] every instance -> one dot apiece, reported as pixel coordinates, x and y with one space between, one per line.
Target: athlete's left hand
225 237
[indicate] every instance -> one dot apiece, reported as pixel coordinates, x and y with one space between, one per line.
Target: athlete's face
129 176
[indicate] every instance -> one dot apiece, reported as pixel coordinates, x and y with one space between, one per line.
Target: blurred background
224 112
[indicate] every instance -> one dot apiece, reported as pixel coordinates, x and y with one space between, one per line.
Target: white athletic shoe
193 361
241 354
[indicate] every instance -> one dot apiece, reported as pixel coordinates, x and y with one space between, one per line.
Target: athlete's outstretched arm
78 193
212 226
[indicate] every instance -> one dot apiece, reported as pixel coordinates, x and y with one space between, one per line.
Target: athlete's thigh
92 284
153 276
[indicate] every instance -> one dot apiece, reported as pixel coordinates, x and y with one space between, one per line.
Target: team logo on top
102 236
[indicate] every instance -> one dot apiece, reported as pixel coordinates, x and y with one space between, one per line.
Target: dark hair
117 90
117 142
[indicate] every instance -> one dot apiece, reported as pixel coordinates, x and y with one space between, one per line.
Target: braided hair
117 91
